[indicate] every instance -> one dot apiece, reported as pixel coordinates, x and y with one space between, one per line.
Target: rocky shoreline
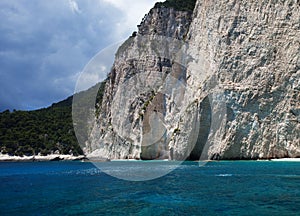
37 158
59 157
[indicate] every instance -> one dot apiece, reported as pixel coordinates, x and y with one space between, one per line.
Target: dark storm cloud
44 45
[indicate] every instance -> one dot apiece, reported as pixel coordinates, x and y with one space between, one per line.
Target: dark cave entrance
205 114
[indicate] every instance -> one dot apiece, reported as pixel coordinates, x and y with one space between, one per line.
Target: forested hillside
44 131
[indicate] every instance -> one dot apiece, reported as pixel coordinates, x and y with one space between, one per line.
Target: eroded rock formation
221 83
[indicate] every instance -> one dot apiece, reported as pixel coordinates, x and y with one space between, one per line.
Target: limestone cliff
253 50
132 105
221 83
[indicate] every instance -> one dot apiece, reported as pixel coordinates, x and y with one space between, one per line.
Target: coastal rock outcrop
253 51
221 83
131 120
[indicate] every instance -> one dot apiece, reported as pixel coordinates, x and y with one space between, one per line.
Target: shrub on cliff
181 5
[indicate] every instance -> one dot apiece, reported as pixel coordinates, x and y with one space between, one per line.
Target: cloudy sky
45 45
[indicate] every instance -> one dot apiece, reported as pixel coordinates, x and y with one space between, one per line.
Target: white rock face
133 119
252 49
222 83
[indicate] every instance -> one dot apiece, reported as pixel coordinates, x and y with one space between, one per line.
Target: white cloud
133 12
74 6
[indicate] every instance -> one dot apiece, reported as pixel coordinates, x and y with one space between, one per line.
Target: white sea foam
224 175
6 157
287 159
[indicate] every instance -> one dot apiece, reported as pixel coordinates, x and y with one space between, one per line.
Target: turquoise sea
218 188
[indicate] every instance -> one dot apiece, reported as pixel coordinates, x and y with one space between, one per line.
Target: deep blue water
218 188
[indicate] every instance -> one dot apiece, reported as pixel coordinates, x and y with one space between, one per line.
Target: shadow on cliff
204 129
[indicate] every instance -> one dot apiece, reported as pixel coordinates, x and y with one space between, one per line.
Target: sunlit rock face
253 51
221 83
